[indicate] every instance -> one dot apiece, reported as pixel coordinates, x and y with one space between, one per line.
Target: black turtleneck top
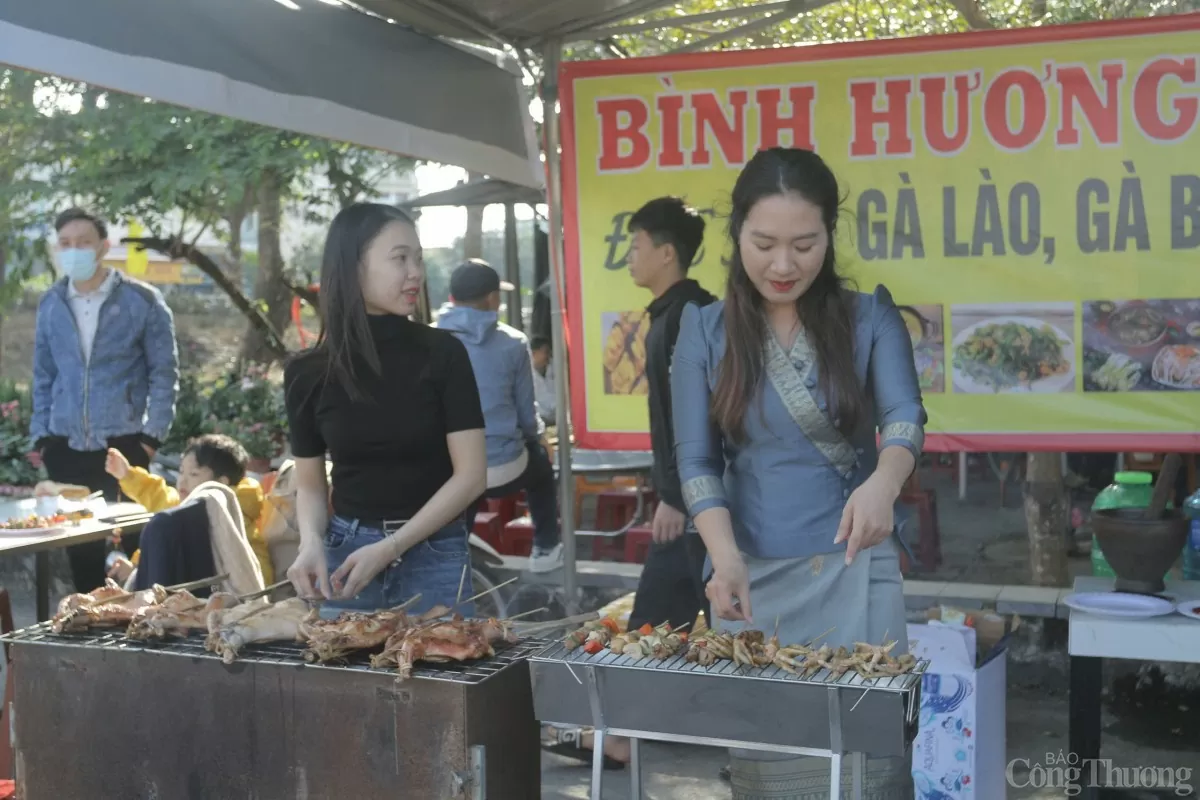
388 450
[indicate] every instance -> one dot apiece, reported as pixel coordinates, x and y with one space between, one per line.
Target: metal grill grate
901 683
278 653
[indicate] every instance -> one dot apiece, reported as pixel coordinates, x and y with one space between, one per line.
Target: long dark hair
345 335
826 309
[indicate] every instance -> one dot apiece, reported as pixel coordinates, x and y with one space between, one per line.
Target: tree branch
973 13
307 294
175 247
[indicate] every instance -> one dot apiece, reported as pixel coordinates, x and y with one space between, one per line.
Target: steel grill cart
96 715
768 709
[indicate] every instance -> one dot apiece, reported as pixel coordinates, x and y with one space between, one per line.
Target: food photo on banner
1029 198
1141 345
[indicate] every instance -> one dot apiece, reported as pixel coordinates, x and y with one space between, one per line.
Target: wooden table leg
1084 722
41 568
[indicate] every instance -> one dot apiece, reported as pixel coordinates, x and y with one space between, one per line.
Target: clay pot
1139 551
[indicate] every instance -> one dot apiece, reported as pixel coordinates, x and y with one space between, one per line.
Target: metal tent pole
552 55
512 267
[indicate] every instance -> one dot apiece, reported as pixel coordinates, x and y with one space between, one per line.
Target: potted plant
192 416
17 472
249 408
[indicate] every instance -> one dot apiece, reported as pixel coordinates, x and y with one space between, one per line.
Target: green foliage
191 415
180 171
246 406
16 409
853 20
27 104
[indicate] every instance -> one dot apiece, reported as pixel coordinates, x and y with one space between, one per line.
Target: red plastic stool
615 507
608 548
518 537
505 507
489 527
929 537
637 544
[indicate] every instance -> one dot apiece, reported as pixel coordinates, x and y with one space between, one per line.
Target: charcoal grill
723 705
100 716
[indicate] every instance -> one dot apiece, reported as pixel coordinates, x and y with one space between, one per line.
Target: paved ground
981 543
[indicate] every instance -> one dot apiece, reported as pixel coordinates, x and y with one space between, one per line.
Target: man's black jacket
665 313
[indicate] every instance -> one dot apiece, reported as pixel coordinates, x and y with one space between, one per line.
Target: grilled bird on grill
108 606
231 629
439 642
333 639
178 615
751 649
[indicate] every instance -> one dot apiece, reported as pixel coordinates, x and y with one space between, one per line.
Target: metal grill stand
268 725
768 709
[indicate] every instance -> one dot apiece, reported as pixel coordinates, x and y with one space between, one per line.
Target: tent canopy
525 23
480 193
310 66
534 23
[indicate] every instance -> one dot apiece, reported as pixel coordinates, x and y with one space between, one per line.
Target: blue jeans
432 569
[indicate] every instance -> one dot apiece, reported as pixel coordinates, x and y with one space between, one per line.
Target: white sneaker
542 560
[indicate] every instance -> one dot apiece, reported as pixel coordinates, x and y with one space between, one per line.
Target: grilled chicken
178 615
451 640
231 629
330 640
106 607
107 592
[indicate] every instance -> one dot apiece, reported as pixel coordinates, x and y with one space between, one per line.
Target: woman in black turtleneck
394 405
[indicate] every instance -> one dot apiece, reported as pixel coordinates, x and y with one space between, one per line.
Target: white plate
1158 370
31 531
1190 608
1119 604
43 506
1055 383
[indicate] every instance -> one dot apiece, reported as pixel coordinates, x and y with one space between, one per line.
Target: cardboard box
991 629
961 750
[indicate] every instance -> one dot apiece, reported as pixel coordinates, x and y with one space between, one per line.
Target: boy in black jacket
667 234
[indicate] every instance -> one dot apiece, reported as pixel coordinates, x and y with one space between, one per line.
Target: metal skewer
263 592
486 591
462 580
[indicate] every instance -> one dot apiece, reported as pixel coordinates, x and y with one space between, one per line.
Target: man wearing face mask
105 373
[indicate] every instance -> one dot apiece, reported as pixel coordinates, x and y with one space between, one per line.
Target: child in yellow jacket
208 458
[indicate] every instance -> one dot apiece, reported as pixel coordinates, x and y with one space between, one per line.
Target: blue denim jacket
787 483
129 385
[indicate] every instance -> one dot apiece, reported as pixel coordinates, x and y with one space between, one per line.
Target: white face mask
78 263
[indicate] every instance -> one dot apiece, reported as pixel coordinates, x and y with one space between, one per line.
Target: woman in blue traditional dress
798 419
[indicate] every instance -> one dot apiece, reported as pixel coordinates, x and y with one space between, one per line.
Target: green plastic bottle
1129 490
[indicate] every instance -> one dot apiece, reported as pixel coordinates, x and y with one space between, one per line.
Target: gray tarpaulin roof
480 193
304 65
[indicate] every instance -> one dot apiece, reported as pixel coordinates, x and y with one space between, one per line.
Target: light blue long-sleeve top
504 373
786 484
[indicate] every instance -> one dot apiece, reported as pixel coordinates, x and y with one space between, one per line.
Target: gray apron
820 596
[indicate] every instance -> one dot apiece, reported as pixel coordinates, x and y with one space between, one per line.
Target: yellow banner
1031 199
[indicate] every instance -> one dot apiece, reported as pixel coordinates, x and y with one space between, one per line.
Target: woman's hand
729 589
309 573
869 516
361 567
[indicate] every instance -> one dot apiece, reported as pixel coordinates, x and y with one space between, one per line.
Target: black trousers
64 465
671 588
541 495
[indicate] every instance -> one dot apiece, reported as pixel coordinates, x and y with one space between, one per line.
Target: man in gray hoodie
517 457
